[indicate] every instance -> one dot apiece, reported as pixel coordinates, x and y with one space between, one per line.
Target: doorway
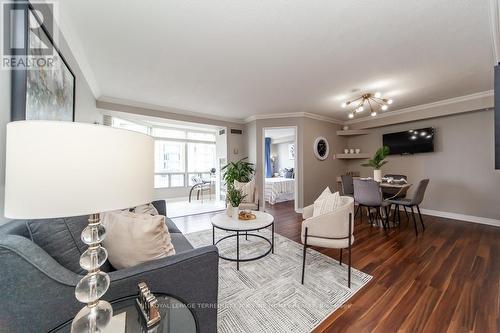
280 165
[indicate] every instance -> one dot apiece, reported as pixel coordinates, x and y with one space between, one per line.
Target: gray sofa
37 291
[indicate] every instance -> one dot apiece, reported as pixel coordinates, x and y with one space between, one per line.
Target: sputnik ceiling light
368 100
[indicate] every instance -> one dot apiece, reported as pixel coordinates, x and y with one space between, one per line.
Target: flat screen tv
410 142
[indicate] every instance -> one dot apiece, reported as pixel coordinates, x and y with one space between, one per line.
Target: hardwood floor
445 280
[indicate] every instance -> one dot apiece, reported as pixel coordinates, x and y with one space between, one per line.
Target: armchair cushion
247 189
321 229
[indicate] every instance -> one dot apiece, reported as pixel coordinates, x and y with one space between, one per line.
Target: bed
279 189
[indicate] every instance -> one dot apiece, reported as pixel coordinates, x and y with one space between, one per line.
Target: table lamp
60 169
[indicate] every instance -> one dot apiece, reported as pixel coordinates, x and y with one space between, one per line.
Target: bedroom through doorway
280 165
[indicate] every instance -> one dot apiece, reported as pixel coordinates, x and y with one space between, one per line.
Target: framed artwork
321 148
42 92
291 151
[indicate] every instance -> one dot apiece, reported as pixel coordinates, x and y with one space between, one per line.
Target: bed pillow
246 189
326 204
132 239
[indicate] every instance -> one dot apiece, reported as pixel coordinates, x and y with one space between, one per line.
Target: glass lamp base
92 318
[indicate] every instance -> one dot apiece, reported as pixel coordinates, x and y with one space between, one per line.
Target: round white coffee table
243 228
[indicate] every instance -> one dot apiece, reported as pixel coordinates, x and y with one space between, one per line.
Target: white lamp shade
58 169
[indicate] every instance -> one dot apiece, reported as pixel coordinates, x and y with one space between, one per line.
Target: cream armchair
255 205
333 230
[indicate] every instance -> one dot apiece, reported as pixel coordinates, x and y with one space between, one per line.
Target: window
168 133
128 125
201 136
169 156
180 153
201 157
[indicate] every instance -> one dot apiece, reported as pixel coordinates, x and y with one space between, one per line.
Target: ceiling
241 58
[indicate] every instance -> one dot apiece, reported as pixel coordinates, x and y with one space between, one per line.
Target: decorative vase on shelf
377 175
235 211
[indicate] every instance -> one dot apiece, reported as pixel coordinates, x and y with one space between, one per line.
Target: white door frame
295 164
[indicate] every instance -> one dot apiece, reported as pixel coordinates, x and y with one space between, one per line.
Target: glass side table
175 317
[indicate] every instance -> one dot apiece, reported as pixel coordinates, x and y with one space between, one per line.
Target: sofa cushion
60 238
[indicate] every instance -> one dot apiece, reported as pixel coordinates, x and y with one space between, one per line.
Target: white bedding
279 189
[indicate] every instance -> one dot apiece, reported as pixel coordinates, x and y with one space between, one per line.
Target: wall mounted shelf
352 132
352 156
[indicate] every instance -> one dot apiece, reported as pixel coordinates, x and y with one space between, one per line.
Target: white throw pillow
246 189
326 204
326 192
133 238
146 209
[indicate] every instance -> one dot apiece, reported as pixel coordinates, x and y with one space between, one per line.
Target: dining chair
347 185
367 193
333 230
200 186
415 201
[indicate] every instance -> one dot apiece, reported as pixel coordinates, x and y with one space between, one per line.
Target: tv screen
411 141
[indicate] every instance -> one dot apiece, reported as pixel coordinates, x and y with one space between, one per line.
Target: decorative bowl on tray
246 215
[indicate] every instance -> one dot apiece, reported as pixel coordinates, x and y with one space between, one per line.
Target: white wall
280 150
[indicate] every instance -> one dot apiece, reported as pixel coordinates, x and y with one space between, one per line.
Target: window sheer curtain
267 152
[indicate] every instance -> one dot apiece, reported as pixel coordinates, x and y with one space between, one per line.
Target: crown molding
125 105
495 28
294 115
445 102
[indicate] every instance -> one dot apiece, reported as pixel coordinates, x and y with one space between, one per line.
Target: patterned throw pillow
246 189
326 204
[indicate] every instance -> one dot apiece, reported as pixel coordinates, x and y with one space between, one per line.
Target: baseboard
461 217
299 210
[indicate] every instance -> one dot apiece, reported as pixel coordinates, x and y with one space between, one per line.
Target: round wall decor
321 148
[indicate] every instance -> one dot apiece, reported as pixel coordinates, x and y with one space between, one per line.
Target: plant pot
377 175
235 211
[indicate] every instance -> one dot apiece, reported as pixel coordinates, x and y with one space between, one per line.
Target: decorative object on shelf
41 92
246 215
94 153
345 127
148 306
235 197
346 151
351 151
377 162
371 101
357 150
321 148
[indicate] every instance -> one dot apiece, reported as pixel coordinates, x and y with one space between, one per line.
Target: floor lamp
59 169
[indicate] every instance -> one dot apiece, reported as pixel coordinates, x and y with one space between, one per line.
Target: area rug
266 295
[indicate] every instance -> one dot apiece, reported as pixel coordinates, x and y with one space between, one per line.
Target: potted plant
234 197
377 162
241 171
